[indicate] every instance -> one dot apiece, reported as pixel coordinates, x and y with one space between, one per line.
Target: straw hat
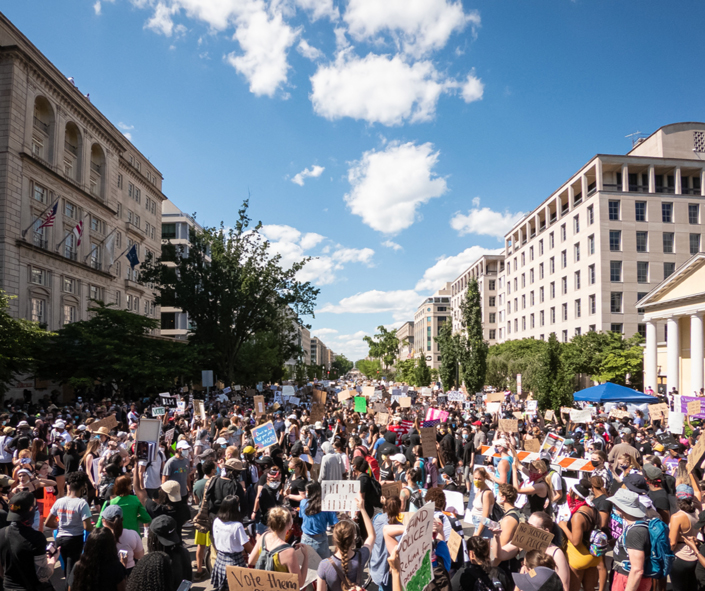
102 431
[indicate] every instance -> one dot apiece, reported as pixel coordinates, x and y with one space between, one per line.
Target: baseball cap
60 425
538 579
183 444
20 506
221 441
172 490
164 527
248 450
401 458
636 483
112 512
652 472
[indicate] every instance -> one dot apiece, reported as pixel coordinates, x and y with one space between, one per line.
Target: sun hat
102 431
8 431
172 490
112 512
164 527
22 424
234 464
628 502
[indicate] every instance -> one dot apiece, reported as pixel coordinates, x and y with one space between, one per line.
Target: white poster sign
415 548
339 495
580 416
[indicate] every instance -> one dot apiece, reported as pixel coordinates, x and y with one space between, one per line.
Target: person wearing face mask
482 504
642 443
502 465
538 490
602 469
177 468
268 496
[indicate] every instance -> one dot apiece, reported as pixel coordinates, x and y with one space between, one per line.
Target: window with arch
43 130
97 172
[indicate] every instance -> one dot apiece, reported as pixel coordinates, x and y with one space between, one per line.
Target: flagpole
101 242
64 239
39 217
117 257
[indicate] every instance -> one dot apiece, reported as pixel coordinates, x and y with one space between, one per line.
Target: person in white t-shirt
128 540
151 473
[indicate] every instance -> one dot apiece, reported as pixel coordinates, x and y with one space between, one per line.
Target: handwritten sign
158 411
259 405
428 442
694 407
339 495
620 414
493 407
248 579
696 454
405 402
658 412
108 422
368 391
509 425
528 537
168 400
264 435
550 415
360 404
319 397
415 548
495 397
343 395
391 489
382 418
533 445
580 416
318 411
456 397
454 544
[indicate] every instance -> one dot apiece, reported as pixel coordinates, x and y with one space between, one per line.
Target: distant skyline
395 141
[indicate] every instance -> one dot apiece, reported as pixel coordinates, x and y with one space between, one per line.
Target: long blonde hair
540 466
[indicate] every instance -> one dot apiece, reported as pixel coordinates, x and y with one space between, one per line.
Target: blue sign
264 435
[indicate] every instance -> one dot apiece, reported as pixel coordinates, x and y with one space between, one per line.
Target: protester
126 539
315 522
99 568
230 540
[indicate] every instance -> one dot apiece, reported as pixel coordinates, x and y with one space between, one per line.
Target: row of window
642 242
135 193
614 210
614 327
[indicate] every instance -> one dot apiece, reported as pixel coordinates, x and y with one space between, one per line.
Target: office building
429 318
405 335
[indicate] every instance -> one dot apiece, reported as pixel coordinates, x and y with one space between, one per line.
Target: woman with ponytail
344 570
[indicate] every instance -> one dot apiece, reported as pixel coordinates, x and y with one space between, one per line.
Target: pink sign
434 413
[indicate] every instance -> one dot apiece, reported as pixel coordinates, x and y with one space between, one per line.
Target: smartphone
185 586
491 524
122 554
51 549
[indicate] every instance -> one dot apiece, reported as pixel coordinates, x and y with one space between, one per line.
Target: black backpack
415 498
376 494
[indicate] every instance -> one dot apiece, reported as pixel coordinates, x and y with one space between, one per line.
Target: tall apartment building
74 194
405 335
175 229
613 231
429 318
319 352
486 271
304 341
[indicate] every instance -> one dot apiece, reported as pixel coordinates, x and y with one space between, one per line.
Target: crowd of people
77 491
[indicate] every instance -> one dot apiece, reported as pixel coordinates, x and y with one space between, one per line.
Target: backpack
265 561
658 564
564 489
374 466
376 493
415 498
598 543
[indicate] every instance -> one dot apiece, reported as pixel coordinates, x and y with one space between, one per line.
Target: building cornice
125 166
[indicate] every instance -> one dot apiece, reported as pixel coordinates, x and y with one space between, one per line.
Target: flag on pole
132 257
110 248
51 216
78 232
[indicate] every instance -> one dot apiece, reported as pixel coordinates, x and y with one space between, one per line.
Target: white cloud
418 26
319 9
389 186
448 268
308 51
472 89
265 40
313 172
392 245
311 239
322 332
377 89
350 345
161 21
354 255
484 221
400 303
97 7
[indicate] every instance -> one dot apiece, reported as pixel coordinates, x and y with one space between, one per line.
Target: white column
598 174
652 181
673 351
696 353
679 189
651 357
625 184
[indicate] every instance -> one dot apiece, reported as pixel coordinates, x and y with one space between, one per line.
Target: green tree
422 375
506 360
406 371
448 346
342 365
19 341
552 382
472 348
114 349
384 346
232 287
372 368
262 358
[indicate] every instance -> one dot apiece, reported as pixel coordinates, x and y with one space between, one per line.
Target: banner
433 413
415 547
684 404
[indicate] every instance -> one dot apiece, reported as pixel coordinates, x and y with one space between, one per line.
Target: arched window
43 130
97 172
73 150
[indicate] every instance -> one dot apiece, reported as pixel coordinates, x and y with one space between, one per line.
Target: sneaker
200 577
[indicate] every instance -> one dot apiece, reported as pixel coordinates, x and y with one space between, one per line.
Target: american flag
433 423
78 232
406 426
51 216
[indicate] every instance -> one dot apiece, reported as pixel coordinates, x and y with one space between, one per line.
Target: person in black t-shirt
634 544
359 468
657 494
296 490
99 568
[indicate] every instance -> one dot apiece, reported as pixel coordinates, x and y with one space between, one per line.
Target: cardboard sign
533 445
360 404
158 411
694 407
259 405
696 454
495 397
200 409
658 412
415 548
380 408
169 436
319 397
509 425
455 542
339 495
428 442
391 489
264 435
550 415
580 416
620 414
108 422
405 402
368 391
518 415
249 579
528 537
382 418
318 411
343 395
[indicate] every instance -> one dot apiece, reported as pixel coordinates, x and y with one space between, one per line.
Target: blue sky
394 140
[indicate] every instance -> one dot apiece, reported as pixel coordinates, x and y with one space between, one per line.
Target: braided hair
344 535
151 573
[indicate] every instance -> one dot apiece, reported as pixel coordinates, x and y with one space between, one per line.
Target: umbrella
609 392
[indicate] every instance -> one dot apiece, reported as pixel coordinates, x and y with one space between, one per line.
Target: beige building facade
611 233
405 335
486 270
429 318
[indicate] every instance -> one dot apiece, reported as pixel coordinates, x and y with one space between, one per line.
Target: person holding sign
538 490
314 521
480 570
347 564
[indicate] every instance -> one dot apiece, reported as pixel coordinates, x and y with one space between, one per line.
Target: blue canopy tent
613 393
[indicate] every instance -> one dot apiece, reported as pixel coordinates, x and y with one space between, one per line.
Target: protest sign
382 418
620 414
158 411
533 445
658 411
360 404
696 454
294 400
379 407
433 413
580 416
552 444
694 408
368 391
519 384
288 391
343 395
259 405
532 406
518 415
509 425
454 502
428 442
456 397
675 422
415 547
200 409
169 436
318 411
565 410
319 397
248 579
148 430
391 489
264 435
108 422
425 391
493 407
454 544
495 397
339 495
528 537
168 400
550 415
181 406
315 472
682 406
405 402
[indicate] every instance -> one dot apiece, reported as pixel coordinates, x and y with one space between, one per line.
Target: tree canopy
384 346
